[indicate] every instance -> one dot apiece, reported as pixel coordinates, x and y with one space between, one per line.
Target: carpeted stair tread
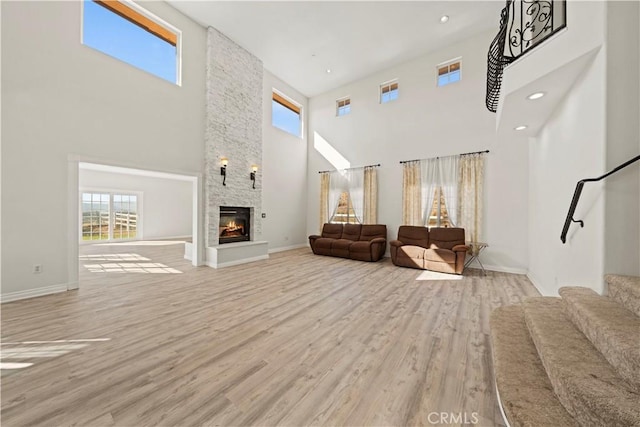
588 387
525 391
612 329
625 290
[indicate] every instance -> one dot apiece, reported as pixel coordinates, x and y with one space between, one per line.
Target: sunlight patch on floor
39 349
124 263
434 275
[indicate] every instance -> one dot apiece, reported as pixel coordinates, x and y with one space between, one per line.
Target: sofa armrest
461 248
314 237
396 243
378 247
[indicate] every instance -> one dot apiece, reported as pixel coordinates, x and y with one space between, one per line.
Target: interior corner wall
167 204
622 252
427 121
570 147
61 98
284 173
233 130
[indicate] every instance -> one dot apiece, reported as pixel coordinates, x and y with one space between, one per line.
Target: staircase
570 361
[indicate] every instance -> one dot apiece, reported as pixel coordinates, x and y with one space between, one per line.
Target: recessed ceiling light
536 95
522 127
328 70
444 18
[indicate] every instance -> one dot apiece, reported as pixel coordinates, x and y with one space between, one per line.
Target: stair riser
584 382
614 346
625 290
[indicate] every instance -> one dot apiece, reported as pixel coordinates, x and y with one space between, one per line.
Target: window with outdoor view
343 107
126 31
438 216
286 115
109 216
344 212
449 73
388 91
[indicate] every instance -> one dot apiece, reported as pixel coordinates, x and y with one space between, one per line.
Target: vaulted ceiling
299 41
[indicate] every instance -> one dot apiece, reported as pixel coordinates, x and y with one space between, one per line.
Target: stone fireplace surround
234 79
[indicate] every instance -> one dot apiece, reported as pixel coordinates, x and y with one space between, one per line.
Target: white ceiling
299 40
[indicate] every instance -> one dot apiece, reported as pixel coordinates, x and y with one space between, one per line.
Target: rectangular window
109 216
438 217
95 216
343 107
388 91
344 212
133 35
449 73
286 115
125 216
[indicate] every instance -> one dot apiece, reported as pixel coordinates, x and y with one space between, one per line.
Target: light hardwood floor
298 339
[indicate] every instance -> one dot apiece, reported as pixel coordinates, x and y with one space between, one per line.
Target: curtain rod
358 167
463 154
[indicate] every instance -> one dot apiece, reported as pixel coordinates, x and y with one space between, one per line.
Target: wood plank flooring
298 339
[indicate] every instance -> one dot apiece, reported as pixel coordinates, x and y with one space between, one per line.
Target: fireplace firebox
235 224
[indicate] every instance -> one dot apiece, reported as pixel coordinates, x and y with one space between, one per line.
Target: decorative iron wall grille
524 24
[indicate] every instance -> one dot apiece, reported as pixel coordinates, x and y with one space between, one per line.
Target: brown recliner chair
354 241
437 249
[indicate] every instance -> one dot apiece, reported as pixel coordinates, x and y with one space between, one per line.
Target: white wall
284 173
427 121
570 147
167 205
61 98
622 254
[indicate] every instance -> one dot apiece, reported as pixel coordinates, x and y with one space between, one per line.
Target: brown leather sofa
437 249
355 241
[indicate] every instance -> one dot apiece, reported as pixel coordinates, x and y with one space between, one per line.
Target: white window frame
161 22
447 64
388 84
111 193
338 107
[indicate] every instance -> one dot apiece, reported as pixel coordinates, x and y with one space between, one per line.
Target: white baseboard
537 284
37 292
288 248
238 262
500 268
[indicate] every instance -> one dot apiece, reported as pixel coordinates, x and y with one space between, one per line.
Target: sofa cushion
442 267
410 256
440 255
413 235
322 246
332 231
351 232
360 251
445 238
371 231
340 247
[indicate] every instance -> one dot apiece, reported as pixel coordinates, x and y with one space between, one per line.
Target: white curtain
411 213
337 186
448 179
471 188
324 198
370 195
355 185
429 184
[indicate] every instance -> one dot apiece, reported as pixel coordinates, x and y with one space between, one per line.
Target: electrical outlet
37 268
264 215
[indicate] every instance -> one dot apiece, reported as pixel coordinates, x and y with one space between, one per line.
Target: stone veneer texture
233 130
